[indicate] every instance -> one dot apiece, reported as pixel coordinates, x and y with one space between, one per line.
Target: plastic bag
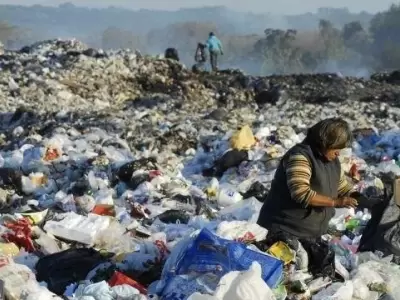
245 210
47 244
19 234
183 286
230 159
19 280
32 160
368 274
209 253
104 197
114 239
240 285
282 251
177 252
321 258
256 190
361 290
119 278
243 139
126 292
100 290
97 183
318 284
10 178
41 293
78 228
61 269
174 216
35 183
86 203
126 171
337 291
227 197
241 231
67 201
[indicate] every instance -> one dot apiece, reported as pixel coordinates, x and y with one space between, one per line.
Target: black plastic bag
61 269
321 258
173 215
137 180
370 201
256 190
10 178
126 171
230 159
382 232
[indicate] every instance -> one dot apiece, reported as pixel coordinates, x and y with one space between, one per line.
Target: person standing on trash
214 46
200 57
309 183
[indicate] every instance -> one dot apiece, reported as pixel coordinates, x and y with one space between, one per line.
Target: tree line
372 45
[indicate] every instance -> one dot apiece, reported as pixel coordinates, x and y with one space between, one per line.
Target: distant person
200 58
214 46
171 53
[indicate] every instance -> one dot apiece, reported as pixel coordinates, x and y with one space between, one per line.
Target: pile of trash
53 74
131 188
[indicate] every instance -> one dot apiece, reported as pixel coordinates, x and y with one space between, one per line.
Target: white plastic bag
67 201
246 210
48 245
235 230
239 286
97 183
99 291
114 239
227 197
104 197
361 290
125 292
41 293
78 228
336 291
20 282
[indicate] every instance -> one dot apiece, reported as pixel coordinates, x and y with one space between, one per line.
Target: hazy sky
273 6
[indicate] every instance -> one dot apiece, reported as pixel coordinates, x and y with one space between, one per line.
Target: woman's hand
347 202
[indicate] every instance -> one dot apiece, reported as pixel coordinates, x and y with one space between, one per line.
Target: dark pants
214 60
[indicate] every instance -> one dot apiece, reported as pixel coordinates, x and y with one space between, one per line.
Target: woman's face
332 154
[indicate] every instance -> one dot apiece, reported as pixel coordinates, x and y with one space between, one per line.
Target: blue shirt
213 44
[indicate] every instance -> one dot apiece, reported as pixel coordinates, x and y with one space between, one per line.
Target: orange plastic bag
104 210
119 278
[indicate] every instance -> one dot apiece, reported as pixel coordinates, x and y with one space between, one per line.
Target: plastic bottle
352 224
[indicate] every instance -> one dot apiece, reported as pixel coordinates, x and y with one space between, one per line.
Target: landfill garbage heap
130 177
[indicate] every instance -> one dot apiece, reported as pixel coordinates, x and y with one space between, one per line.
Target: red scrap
155 173
353 172
119 278
248 237
162 248
20 235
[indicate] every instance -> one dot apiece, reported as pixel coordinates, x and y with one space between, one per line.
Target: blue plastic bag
369 141
208 253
